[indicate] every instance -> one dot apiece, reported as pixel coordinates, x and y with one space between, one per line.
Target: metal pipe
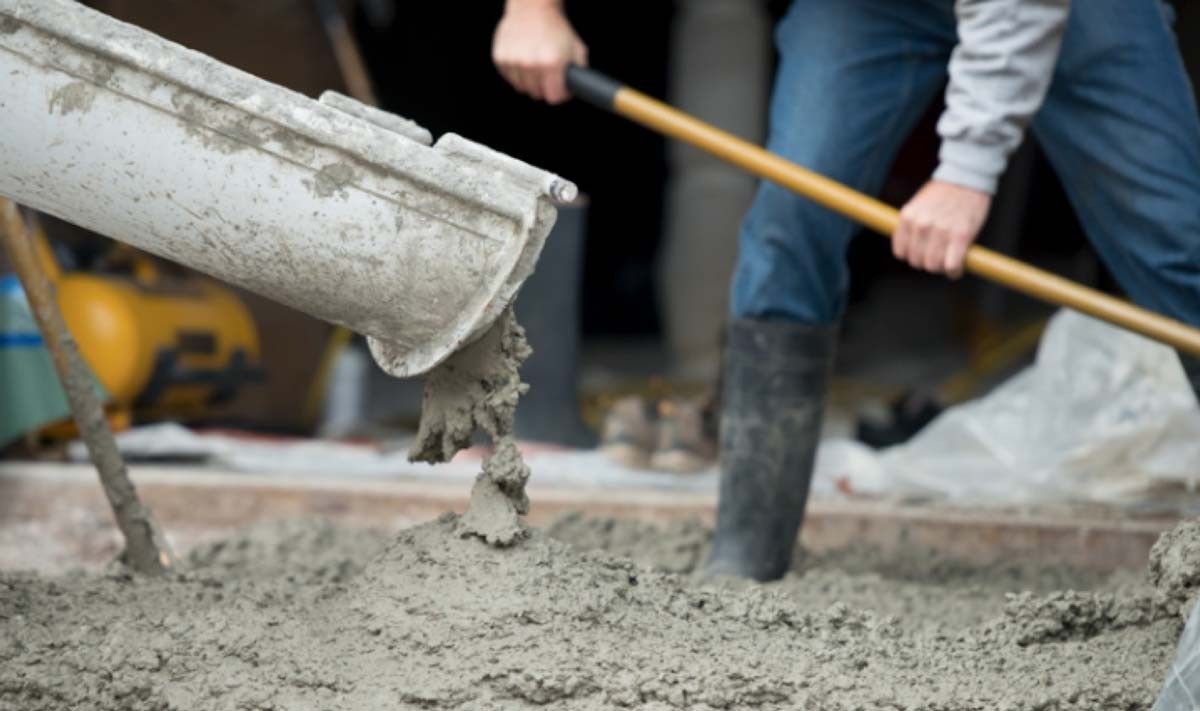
332 207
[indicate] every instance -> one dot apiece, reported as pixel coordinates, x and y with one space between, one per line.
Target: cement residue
439 621
307 552
918 587
477 388
332 180
1067 615
1175 567
674 547
76 97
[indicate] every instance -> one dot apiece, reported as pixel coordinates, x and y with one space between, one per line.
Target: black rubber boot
776 379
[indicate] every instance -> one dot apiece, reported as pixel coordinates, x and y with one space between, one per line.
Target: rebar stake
146 550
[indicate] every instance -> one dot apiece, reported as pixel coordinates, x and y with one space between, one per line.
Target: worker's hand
532 47
938 225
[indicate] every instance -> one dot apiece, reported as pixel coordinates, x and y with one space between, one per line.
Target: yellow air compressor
162 344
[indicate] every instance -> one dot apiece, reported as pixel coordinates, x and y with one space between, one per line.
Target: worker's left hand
533 46
938 225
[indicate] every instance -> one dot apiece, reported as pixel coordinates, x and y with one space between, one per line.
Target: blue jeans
1119 126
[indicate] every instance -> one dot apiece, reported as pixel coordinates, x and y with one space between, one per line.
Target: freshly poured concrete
477 388
307 615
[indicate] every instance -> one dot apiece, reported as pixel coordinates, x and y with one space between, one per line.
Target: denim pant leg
854 78
1121 129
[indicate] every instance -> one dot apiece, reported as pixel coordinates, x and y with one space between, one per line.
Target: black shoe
1191 368
776 379
908 415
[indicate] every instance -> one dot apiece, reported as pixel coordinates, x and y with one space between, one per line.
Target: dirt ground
591 613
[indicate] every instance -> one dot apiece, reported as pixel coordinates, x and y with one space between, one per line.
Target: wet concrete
309 615
478 388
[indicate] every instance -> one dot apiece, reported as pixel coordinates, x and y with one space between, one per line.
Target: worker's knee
791 262
1162 274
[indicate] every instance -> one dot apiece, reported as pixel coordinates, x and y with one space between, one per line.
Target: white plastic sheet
1181 691
1102 415
320 458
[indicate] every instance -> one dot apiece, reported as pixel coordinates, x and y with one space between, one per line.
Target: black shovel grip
592 86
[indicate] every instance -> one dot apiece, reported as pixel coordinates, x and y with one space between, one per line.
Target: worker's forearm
999 75
511 5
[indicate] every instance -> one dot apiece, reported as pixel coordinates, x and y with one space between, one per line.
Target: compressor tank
168 345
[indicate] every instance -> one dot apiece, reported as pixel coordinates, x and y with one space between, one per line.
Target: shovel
605 92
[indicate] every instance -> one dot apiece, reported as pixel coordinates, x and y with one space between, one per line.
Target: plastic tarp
1181 692
1103 415
295 457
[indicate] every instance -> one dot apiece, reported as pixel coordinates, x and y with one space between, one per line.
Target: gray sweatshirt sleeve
999 74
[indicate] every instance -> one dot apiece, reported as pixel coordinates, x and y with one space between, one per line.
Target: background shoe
630 432
685 443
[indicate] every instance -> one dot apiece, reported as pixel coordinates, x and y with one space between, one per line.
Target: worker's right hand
533 45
